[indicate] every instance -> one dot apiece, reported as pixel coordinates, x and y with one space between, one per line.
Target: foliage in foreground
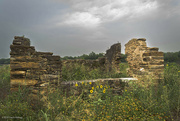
97 102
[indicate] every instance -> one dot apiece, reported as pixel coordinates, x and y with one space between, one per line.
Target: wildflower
167 65
101 86
125 90
92 88
76 84
136 109
97 86
90 82
145 110
104 91
82 82
178 71
91 91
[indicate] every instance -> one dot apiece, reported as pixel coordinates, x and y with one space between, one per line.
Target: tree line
91 56
5 61
172 57
168 57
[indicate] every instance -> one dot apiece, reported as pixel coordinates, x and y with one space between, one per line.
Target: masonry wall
144 62
113 56
110 61
36 71
31 69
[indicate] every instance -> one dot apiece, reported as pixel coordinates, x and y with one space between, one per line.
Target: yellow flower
104 91
145 110
82 82
76 84
136 109
91 91
178 71
97 86
125 90
101 86
92 88
90 82
167 65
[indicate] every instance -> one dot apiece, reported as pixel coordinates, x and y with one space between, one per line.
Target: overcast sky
76 27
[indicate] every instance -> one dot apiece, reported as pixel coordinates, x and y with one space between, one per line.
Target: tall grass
80 72
98 103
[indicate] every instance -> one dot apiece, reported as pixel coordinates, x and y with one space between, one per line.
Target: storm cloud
76 27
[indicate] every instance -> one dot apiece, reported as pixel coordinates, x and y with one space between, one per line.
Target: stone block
158 57
153 54
21 41
52 58
43 53
18 73
153 49
22 50
49 77
156 66
142 39
157 63
24 65
25 58
26 82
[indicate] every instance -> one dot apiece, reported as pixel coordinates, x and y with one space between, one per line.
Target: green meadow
137 102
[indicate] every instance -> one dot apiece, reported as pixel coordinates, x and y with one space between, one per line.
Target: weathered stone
24 65
43 53
27 66
26 82
143 61
153 54
53 58
153 49
18 73
24 42
49 77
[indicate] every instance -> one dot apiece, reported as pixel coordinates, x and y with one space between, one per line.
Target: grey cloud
38 20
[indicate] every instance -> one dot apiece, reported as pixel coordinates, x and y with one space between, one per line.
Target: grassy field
97 102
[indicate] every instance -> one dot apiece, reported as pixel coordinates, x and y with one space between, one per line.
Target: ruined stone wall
32 69
113 56
110 61
144 62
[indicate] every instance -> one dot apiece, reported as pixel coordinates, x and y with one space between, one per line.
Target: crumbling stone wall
32 69
144 62
110 61
113 56
38 70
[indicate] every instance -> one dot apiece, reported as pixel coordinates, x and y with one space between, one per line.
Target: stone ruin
39 70
109 62
32 69
143 61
